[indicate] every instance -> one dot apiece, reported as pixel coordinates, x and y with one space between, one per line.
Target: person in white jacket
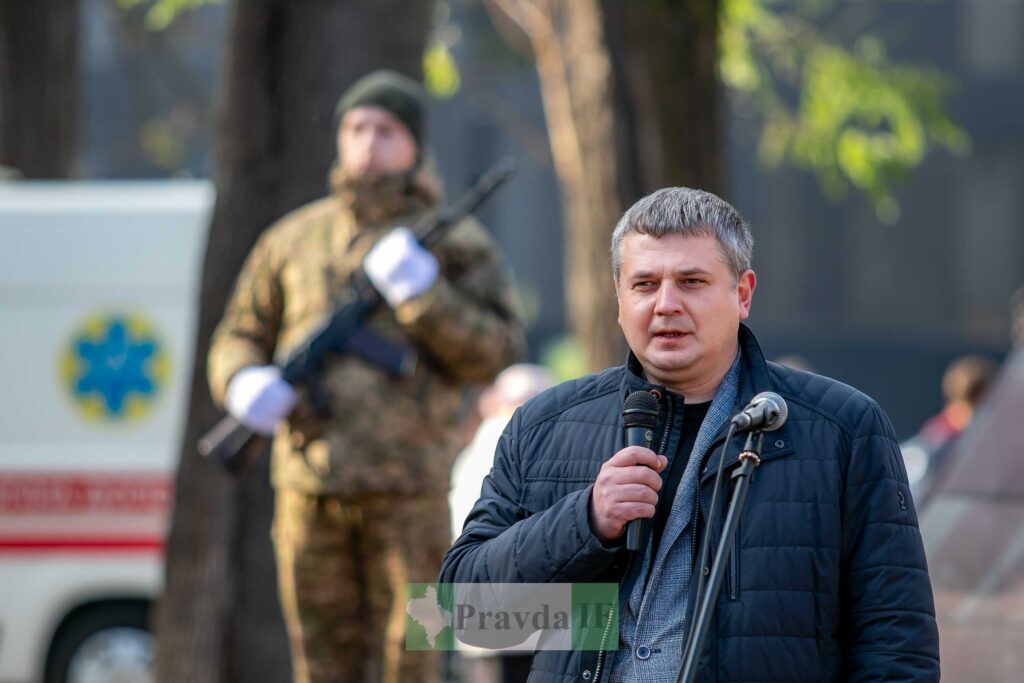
511 388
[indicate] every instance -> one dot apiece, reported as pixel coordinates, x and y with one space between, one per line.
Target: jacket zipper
608 624
733 578
668 428
696 506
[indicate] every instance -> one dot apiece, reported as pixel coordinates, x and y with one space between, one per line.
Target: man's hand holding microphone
626 489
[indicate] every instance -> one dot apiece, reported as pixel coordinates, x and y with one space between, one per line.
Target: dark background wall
886 307
882 307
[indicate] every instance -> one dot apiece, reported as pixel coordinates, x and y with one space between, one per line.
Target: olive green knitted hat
400 95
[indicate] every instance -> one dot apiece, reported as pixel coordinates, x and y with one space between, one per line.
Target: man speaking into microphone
826 578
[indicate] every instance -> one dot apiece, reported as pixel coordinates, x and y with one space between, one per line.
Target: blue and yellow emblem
115 366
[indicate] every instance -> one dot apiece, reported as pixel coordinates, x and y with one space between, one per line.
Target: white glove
399 267
258 398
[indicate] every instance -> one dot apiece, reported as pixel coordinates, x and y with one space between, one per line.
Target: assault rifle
343 332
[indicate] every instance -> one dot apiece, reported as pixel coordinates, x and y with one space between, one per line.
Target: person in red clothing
964 385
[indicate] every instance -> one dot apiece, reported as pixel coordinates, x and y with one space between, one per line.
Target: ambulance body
98 295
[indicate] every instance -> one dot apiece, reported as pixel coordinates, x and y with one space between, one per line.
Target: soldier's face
374 142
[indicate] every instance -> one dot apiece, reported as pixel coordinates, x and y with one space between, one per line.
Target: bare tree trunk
631 101
667 99
38 86
286 64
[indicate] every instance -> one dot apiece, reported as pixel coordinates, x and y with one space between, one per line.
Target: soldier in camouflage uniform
361 496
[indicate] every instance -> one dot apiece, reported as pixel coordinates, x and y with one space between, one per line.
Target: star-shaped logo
114 366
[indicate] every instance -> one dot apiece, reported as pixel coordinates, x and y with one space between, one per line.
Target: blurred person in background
361 494
513 387
965 383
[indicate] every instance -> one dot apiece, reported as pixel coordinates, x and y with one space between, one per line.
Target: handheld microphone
766 412
639 418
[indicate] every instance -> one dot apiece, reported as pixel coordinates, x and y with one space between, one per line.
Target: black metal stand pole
749 458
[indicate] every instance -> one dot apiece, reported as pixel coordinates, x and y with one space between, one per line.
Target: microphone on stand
639 418
766 412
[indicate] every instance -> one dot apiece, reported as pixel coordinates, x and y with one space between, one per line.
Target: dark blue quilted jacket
829 581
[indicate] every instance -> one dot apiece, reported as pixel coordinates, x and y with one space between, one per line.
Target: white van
98 289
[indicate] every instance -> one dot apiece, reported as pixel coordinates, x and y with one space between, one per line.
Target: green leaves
857 119
160 13
440 72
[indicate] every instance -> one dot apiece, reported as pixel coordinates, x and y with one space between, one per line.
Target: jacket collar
634 377
754 378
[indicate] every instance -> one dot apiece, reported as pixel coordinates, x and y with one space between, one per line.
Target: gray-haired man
827 579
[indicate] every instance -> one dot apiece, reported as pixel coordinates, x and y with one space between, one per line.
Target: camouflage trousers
342 568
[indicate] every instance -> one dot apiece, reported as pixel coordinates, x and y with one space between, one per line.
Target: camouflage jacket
386 434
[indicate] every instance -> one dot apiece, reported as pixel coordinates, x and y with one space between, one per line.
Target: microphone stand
750 458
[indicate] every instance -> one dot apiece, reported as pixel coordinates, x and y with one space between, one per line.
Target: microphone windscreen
640 409
780 406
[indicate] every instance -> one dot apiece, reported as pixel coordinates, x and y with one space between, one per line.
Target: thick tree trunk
286 64
38 86
667 100
632 104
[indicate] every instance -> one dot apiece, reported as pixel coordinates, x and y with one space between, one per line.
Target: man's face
374 142
679 308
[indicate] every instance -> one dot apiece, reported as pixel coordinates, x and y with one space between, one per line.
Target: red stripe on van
81 544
